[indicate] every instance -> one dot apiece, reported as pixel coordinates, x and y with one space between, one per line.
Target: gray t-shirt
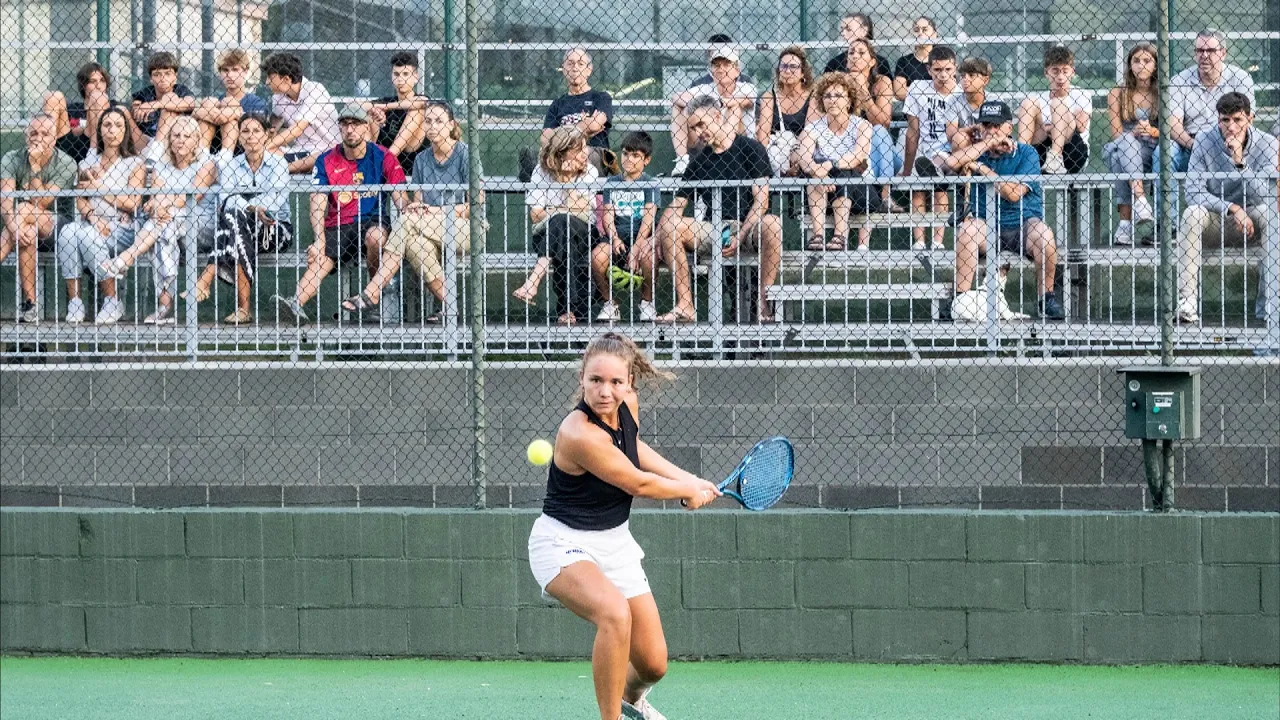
1197 105
59 172
453 171
628 203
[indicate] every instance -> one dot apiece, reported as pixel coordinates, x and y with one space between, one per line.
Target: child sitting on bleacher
629 218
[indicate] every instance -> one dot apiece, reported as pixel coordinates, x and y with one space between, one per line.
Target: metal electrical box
1161 403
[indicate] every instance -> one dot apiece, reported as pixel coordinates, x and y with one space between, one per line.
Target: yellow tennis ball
539 452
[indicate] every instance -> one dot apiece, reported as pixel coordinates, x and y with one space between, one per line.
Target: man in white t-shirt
1056 122
739 100
304 118
928 107
1194 94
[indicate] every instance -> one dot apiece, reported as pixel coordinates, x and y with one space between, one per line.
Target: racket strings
766 474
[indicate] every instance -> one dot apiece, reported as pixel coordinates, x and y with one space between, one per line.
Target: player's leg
648 648
583 588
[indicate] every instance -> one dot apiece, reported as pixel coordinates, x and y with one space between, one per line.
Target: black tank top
585 502
793 122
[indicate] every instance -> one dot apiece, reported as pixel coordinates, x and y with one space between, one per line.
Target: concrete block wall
949 586
1004 434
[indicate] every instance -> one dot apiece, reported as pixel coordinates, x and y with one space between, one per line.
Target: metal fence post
479 469
1165 276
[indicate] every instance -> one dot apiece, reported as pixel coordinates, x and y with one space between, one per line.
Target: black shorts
345 243
1075 154
1013 238
865 198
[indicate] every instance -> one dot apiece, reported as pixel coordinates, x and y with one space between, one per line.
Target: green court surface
237 689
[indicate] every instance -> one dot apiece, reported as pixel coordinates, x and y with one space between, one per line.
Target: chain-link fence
263 253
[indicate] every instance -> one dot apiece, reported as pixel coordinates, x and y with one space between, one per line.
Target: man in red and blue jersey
346 220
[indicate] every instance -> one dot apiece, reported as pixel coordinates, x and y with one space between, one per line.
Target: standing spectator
591 111
1194 93
254 216
304 119
155 105
857 26
1019 209
928 107
397 121
184 169
1226 212
344 221
220 117
737 97
1133 110
78 121
106 224
630 220
1056 122
874 104
31 224
914 65
837 145
420 235
785 110
745 221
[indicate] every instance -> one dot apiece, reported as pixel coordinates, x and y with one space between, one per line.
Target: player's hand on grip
701 493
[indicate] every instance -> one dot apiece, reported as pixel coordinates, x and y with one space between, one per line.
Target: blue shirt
253 104
1022 161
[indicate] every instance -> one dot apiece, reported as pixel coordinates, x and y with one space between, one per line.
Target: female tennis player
581 550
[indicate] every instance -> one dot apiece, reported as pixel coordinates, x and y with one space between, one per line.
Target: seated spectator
157 104
565 231
837 145
32 224
1194 94
1225 212
963 128
928 107
422 232
185 212
738 98
1019 209
745 222
857 26
876 107
785 110
304 120
1056 122
914 65
106 225
714 43
220 117
78 121
253 216
1134 110
629 223
591 111
346 222
397 121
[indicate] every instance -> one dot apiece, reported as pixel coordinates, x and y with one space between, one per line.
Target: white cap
725 51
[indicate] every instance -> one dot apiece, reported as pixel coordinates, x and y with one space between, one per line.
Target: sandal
358 303
675 317
202 294
525 296
567 320
239 317
433 319
816 244
836 244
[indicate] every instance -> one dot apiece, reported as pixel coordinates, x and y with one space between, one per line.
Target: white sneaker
609 312
647 710
110 312
682 164
1053 164
75 311
162 316
1124 233
1187 311
1142 211
648 313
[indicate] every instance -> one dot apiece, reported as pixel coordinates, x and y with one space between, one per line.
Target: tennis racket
763 476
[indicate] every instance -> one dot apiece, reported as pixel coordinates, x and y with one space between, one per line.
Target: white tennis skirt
554 545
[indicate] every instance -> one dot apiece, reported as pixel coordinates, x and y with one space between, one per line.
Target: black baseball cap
994 112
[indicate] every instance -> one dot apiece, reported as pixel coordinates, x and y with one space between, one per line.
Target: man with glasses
590 110
1194 93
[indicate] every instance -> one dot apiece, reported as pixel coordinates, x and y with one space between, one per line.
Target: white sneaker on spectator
110 312
1187 311
648 313
1124 233
1053 164
609 312
162 316
1142 211
75 311
682 164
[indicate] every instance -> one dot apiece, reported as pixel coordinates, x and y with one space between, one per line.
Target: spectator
1056 122
745 222
78 121
714 43
220 117
963 127
106 224
421 233
785 109
837 145
346 221
253 218
928 107
1133 109
564 221
737 97
304 119
857 26
629 222
591 111
31 224
157 104
1019 209
914 65
1226 212
397 121
1194 93
185 212
876 107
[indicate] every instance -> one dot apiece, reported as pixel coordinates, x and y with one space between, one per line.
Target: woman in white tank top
835 146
